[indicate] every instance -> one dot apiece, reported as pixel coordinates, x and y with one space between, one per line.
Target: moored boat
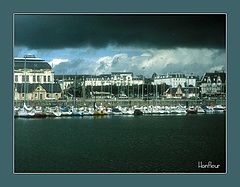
53 112
138 112
65 111
22 112
77 112
191 110
219 109
100 112
200 110
116 111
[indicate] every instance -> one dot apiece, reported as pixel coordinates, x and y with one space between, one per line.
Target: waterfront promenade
123 102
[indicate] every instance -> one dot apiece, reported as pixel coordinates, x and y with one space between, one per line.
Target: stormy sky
141 43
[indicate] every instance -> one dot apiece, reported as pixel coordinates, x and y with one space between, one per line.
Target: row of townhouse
34 79
113 79
181 85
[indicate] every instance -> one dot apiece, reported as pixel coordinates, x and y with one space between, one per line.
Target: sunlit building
34 79
175 79
213 84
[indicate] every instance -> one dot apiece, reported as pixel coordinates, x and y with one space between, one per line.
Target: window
27 78
38 78
34 78
35 95
22 95
16 78
49 79
48 95
23 78
44 78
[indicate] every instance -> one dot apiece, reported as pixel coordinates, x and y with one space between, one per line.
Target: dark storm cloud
160 31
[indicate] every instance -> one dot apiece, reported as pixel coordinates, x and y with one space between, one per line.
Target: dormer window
219 80
208 80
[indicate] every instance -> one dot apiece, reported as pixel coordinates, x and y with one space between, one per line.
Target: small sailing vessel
66 111
200 110
116 111
219 109
25 112
39 113
53 112
76 111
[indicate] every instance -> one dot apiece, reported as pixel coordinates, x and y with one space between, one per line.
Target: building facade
182 92
176 79
113 79
34 79
37 91
34 69
213 84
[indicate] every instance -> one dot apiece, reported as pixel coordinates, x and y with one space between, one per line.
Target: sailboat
53 111
23 112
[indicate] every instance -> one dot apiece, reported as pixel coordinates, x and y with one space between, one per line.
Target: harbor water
120 144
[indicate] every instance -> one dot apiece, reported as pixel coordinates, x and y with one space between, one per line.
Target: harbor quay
79 102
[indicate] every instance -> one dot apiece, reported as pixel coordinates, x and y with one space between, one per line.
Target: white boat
88 111
22 112
39 113
116 111
178 110
109 111
77 112
66 111
200 110
127 111
53 112
219 109
27 108
146 110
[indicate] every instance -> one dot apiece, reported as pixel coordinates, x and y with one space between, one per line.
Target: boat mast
74 93
25 80
52 89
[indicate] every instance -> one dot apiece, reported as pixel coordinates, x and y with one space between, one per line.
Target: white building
34 69
175 79
113 79
34 79
138 80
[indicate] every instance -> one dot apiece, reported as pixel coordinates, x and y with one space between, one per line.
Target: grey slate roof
36 64
213 77
184 90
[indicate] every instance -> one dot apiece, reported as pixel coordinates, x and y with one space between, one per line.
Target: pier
123 102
